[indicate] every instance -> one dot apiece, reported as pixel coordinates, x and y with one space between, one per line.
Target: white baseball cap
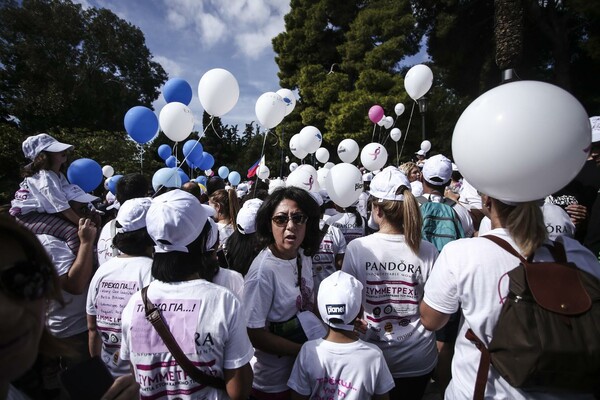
175 219
386 183
437 170
34 145
339 300
132 214
420 153
75 193
246 217
595 122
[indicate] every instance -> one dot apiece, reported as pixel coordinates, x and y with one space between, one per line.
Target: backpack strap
154 316
484 365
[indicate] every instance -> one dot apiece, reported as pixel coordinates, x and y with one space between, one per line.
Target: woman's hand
123 388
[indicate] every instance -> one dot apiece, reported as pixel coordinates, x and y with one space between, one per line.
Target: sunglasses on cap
26 280
283 219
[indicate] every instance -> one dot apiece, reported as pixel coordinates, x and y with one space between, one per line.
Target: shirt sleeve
441 289
51 195
385 380
238 349
299 380
90 305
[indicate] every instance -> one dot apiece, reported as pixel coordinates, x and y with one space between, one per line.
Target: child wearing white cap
348 367
42 201
116 281
205 319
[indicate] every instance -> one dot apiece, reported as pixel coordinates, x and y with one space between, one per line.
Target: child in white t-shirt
42 201
340 366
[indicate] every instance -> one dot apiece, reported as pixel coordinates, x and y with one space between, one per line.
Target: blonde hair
228 202
404 216
407 167
524 223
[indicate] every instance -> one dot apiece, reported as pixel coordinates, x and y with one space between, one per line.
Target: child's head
45 152
340 300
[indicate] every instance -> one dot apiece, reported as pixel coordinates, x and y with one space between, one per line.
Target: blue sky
190 37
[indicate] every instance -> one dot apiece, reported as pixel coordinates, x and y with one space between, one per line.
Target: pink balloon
375 113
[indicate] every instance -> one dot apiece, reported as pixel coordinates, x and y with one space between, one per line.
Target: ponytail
413 221
524 223
234 206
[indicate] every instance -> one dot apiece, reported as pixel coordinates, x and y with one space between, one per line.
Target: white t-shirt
111 288
43 192
206 321
393 278
350 371
363 204
232 280
469 197
348 224
416 188
104 247
225 230
472 274
71 319
323 263
556 219
271 294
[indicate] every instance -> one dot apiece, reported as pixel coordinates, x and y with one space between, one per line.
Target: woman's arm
268 342
238 382
432 319
94 341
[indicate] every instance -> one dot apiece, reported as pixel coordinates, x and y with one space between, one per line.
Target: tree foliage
62 66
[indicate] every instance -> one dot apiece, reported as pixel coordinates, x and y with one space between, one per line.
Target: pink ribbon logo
310 183
375 154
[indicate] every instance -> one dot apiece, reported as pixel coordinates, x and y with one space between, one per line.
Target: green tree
61 66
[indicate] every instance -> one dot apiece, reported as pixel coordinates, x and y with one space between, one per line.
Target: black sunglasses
283 219
26 280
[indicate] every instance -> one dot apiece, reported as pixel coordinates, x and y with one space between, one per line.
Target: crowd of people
270 292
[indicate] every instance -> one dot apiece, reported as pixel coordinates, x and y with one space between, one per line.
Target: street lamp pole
422 109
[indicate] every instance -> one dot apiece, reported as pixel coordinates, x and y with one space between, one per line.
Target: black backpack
548 334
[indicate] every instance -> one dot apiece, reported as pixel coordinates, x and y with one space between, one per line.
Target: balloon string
373 135
141 150
262 153
397 157
407 128
196 143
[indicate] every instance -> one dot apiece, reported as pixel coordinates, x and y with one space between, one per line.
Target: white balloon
399 109
106 183
310 139
176 121
321 176
295 147
218 91
288 98
263 172
208 172
395 134
293 166
522 141
373 156
344 184
388 122
322 155
108 171
418 81
305 177
381 121
425 145
328 165
269 109
348 150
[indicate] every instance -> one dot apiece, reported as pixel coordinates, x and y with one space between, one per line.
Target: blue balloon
223 172
166 177
141 124
179 90
171 162
207 162
234 178
193 151
183 176
112 183
164 151
202 180
85 173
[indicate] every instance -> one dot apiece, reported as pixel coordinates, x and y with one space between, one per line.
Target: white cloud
171 67
249 24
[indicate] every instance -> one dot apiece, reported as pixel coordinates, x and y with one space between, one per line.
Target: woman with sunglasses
279 285
393 265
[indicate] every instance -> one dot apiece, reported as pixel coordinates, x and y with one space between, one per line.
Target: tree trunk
508 30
